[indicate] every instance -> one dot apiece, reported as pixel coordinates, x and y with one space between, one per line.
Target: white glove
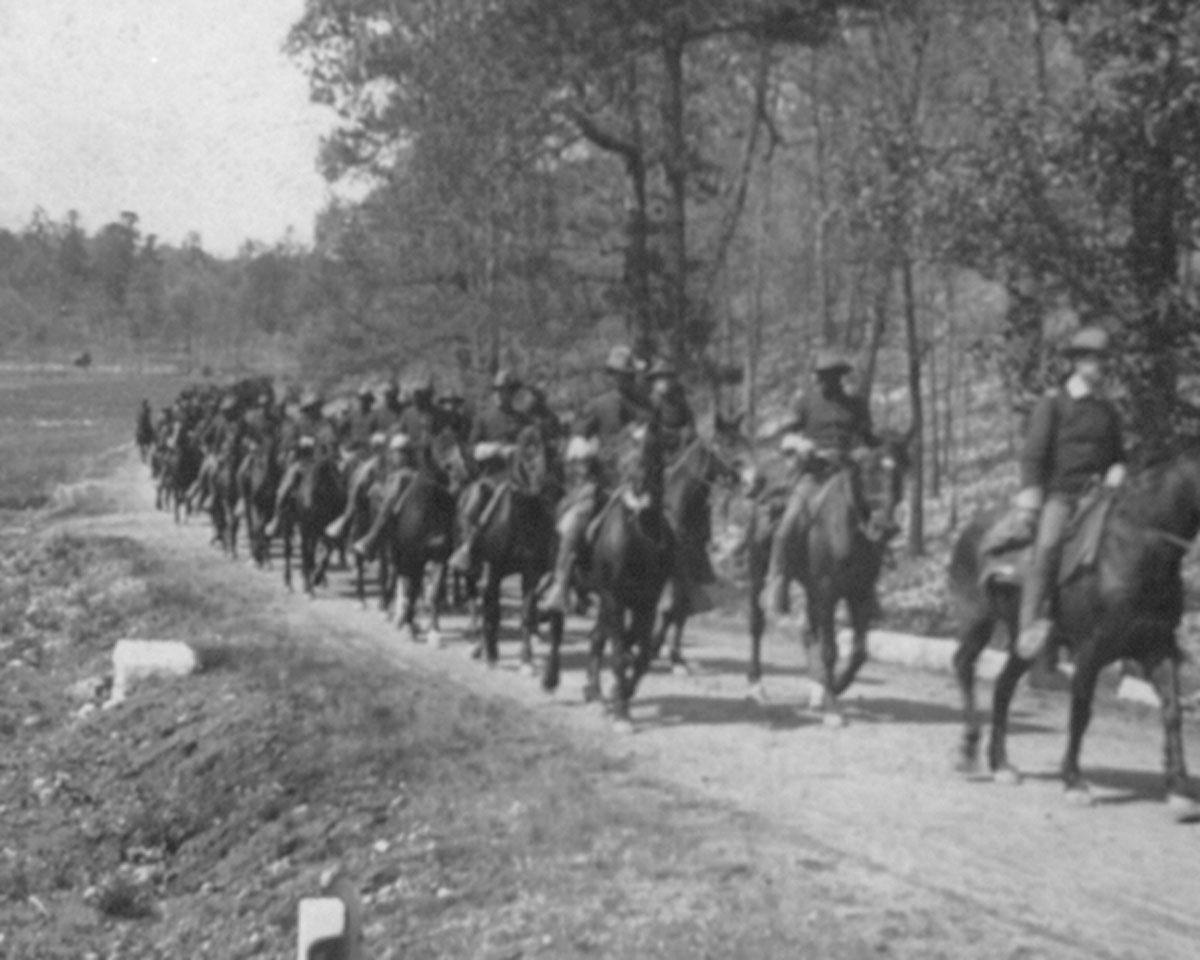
798 444
1029 499
1115 475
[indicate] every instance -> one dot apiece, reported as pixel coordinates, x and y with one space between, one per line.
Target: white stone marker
135 660
322 921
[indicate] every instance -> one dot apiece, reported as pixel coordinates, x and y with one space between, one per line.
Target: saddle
1006 545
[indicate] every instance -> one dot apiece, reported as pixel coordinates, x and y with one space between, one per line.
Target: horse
1125 604
420 531
258 480
180 470
838 559
517 535
226 491
687 504
317 501
631 558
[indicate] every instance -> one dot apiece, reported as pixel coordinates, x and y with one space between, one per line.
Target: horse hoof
529 669
1078 796
757 693
1183 808
410 633
1006 775
680 668
833 720
434 639
476 652
966 764
623 726
591 694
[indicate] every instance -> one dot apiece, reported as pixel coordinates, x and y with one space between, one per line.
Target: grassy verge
190 820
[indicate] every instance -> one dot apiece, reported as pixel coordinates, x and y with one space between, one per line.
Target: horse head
882 470
642 465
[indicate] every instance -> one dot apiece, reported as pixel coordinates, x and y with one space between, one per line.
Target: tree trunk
916 527
675 164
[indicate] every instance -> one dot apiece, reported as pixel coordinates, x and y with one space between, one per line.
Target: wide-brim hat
662 370
619 360
366 390
229 403
310 399
505 380
832 361
1088 341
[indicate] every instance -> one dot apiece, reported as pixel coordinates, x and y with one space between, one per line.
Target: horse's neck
1169 502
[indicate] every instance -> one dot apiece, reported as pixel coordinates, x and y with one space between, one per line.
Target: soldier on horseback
1074 440
309 438
416 426
669 402
220 438
362 423
602 422
829 423
494 433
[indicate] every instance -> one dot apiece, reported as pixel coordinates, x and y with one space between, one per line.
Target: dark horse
631 558
420 532
181 467
317 500
687 504
226 492
1125 605
838 559
258 479
517 536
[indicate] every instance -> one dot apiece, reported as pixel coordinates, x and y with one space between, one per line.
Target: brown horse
838 559
632 556
420 532
315 502
1125 605
258 480
517 537
687 504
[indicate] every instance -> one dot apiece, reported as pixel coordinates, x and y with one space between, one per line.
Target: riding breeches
1045 556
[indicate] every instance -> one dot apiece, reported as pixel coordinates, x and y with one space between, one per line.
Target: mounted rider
1073 443
308 439
827 426
361 424
494 434
221 438
589 457
418 423
669 402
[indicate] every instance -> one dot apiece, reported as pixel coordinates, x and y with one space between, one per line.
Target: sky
184 111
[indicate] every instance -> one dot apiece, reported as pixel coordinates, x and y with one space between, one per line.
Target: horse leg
406 609
551 673
285 534
972 640
308 557
435 596
822 669
1083 689
758 621
860 621
643 650
1165 677
1006 684
491 616
322 569
596 642
622 668
529 623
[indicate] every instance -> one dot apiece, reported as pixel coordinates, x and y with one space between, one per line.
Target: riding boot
1035 624
291 478
365 545
461 560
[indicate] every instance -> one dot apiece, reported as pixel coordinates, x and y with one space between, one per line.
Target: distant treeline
118 290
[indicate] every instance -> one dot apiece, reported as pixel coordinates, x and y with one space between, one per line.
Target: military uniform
1074 442
827 425
590 455
308 438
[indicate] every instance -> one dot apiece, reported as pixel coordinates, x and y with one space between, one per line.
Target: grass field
55 424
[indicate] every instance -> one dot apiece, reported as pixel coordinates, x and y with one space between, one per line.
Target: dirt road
967 867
